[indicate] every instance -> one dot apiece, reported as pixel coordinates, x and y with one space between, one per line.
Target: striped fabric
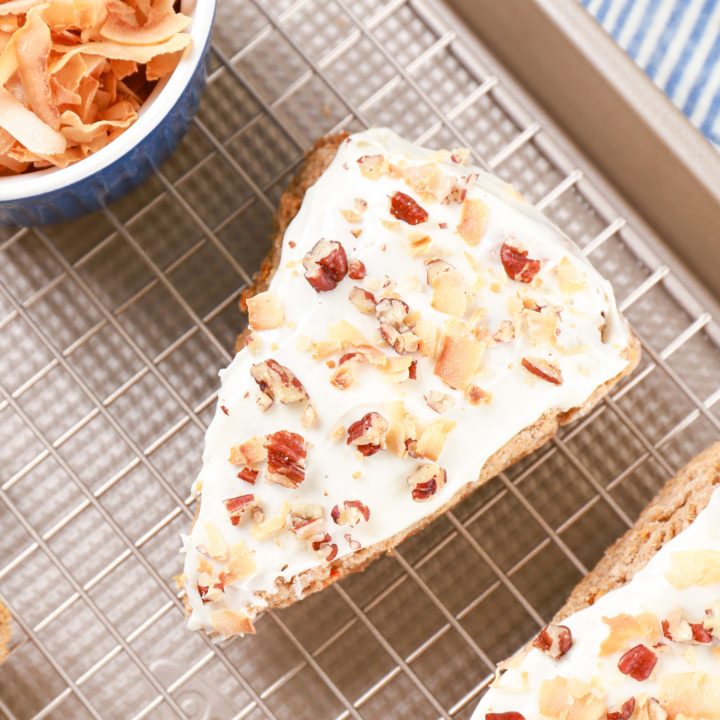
677 43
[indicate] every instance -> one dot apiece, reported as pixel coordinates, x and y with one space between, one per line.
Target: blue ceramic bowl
53 195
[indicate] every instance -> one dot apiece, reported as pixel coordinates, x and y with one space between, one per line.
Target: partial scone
417 328
640 635
5 632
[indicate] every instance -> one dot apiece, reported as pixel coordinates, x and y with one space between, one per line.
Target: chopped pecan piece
517 264
368 433
323 543
622 712
554 640
638 663
351 513
276 382
392 314
237 506
248 474
286 458
325 265
306 519
356 270
543 369
426 480
505 332
363 300
404 208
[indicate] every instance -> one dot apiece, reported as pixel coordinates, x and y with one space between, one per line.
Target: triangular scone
645 650
424 328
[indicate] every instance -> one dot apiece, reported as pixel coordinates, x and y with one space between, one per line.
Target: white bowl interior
158 104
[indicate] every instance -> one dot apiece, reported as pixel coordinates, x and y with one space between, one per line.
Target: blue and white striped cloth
677 43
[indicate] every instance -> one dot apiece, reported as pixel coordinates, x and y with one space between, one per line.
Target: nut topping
512 715
543 369
324 545
392 314
439 402
517 264
306 519
363 300
237 506
622 712
368 433
286 458
356 270
426 480
404 208
554 640
249 475
325 265
276 382
351 513
638 663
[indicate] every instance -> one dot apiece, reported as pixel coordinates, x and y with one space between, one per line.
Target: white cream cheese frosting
501 320
671 607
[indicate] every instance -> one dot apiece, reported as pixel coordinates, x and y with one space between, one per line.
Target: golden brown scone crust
525 442
5 632
671 512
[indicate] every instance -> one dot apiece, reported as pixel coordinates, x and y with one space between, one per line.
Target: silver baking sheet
112 329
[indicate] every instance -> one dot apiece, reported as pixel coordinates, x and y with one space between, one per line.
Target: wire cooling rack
112 329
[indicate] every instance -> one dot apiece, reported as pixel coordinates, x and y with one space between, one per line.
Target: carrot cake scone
639 638
417 328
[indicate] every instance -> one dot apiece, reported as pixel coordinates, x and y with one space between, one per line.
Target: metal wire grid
111 331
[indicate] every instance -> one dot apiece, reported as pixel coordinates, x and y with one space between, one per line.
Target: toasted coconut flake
62 15
571 699
432 438
32 47
459 359
693 695
623 628
17 7
273 526
25 126
240 564
117 51
229 623
216 546
118 29
473 219
265 312
162 65
689 568
250 452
